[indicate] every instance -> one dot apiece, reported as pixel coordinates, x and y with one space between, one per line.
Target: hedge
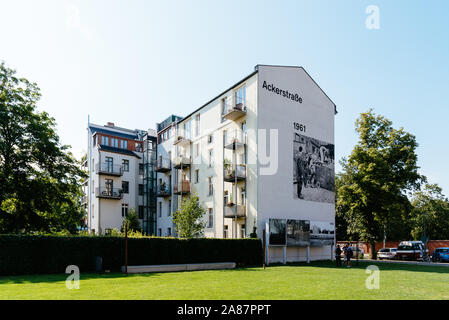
23 254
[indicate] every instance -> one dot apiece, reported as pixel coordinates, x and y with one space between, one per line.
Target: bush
25 254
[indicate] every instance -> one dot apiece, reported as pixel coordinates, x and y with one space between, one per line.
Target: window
160 209
211 158
210 222
169 232
224 108
243 196
124 209
140 212
109 162
109 186
124 144
169 208
210 138
125 165
197 175
114 142
159 232
125 186
141 169
240 98
243 231
138 147
197 125
225 137
140 189
104 141
226 197
225 232
187 132
211 186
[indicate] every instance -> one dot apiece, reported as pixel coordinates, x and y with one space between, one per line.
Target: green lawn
319 280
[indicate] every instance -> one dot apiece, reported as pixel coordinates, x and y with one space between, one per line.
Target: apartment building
117 176
261 150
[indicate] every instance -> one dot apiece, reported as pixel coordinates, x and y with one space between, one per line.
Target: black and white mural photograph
313 169
322 233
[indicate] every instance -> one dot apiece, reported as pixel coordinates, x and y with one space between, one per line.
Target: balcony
109 169
182 140
163 191
183 162
108 193
230 211
230 175
235 140
236 112
163 165
183 188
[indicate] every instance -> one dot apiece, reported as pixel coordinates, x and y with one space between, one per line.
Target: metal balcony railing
235 111
163 165
182 188
163 190
230 174
108 193
181 161
235 139
230 211
109 169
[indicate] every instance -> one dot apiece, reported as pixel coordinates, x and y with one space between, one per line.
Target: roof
115 131
118 150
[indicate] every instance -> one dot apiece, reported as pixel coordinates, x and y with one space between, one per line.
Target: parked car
440 254
410 250
387 253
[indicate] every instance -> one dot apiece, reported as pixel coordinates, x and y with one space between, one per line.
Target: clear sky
135 62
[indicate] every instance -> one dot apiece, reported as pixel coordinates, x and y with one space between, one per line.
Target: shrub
32 254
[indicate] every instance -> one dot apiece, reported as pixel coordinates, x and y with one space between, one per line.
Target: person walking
338 255
349 254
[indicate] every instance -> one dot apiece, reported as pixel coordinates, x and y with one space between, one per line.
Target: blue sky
135 62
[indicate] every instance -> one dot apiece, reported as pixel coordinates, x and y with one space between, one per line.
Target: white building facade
261 150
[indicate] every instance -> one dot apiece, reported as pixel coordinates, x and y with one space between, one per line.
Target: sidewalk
418 263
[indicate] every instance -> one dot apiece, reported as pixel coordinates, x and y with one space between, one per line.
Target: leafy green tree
430 202
378 174
39 179
132 221
189 218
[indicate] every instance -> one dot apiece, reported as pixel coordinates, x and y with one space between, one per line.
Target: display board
322 233
277 232
298 233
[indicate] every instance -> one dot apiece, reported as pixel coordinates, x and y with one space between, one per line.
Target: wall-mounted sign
322 233
294 233
277 232
298 233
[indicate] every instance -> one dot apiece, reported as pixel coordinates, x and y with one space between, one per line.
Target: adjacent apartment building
115 161
261 150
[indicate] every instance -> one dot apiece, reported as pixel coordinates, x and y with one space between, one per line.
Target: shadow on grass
361 264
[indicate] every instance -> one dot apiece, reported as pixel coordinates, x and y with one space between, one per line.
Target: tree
132 221
189 218
39 179
430 202
378 174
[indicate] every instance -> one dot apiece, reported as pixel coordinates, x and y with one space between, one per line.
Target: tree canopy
189 218
39 178
377 177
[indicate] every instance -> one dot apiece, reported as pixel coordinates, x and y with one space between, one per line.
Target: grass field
319 280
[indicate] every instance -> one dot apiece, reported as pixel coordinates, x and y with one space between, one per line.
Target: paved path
418 263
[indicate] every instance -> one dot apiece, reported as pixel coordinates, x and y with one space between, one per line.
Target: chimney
110 124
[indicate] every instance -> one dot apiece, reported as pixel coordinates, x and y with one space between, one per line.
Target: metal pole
235 186
126 248
264 242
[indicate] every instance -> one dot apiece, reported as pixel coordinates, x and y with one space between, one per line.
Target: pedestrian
349 254
338 255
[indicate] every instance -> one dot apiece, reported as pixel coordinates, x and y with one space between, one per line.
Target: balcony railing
163 165
181 161
230 174
182 139
163 191
230 211
182 188
108 193
235 112
235 139
109 169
